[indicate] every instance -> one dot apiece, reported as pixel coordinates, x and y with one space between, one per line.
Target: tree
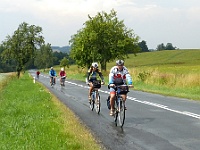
103 39
143 46
21 46
160 47
169 46
64 62
44 57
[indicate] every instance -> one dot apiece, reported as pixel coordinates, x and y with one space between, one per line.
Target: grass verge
32 118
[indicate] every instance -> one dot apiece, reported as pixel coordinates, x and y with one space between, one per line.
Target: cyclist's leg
90 90
63 81
112 100
54 78
123 96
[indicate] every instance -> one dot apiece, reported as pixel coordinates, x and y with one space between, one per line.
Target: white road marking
186 113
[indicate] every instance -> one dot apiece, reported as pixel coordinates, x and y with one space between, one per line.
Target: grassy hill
164 58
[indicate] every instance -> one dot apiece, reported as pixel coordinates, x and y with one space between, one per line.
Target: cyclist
38 73
52 74
62 74
91 76
118 75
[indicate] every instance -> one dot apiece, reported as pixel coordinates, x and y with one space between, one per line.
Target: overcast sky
154 21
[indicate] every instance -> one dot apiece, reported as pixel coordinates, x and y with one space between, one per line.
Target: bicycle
52 82
95 101
119 106
62 81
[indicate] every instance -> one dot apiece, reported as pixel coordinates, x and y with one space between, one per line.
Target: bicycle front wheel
92 102
121 112
97 103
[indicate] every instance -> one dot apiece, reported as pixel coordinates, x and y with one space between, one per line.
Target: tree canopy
103 39
44 56
21 46
143 46
168 46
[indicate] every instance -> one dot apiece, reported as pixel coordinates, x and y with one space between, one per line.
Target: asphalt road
153 122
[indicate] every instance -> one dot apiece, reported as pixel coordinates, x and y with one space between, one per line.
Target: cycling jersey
52 73
119 77
62 73
92 75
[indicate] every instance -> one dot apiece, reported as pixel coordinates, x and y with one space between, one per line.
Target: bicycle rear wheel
97 103
121 112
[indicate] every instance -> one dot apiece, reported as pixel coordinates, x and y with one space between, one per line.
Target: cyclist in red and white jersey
119 75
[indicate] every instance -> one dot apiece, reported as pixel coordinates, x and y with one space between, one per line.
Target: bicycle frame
62 81
52 80
95 102
119 114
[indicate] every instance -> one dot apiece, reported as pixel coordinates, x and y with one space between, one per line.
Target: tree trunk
19 69
103 65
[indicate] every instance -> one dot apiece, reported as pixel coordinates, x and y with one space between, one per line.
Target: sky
154 21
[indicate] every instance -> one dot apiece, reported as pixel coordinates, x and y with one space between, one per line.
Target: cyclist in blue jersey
118 75
52 74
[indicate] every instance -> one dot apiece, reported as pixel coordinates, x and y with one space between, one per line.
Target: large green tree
103 39
21 46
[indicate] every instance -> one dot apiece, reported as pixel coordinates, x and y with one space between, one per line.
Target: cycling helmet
119 62
95 64
51 67
62 69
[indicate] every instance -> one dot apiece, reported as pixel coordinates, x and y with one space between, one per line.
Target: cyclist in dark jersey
92 75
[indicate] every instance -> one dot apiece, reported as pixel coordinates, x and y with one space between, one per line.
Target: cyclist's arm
101 76
88 75
129 80
54 73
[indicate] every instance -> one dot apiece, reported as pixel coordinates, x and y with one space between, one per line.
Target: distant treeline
58 54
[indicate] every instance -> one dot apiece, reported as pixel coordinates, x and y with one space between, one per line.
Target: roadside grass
5 78
32 118
168 72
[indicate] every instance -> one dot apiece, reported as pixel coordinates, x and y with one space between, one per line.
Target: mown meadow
169 72
32 118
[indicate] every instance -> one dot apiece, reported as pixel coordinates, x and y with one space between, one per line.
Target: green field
32 118
169 72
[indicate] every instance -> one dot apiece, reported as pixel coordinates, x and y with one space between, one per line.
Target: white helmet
95 64
51 67
120 62
62 69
